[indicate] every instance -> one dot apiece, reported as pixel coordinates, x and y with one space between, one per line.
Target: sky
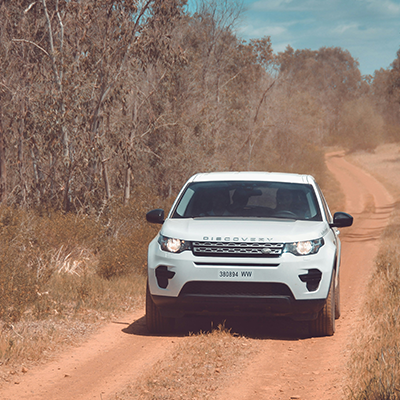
368 29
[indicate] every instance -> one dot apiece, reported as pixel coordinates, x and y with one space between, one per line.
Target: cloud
297 5
344 28
329 9
261 30
280 47
369 29
261 5
386 8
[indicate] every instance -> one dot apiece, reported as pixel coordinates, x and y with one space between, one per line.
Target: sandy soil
288 364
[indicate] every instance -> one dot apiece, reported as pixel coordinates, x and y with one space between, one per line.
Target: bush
18 284
18 276
361 126
375 360
36 250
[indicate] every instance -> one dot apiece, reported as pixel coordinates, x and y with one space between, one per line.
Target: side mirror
341 220
155 216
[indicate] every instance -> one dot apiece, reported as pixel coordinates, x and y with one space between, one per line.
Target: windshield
248 199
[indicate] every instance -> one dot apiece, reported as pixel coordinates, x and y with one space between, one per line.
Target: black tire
155 322
337 299
324 325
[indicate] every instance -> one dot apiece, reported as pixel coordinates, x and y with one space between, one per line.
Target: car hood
243 230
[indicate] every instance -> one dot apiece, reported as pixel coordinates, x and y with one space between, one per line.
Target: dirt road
314 368
287 365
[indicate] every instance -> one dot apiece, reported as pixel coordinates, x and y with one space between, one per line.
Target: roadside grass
375 361
194 369
374 366
27 342
61 275
70 309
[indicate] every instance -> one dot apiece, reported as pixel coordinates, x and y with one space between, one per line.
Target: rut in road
105 364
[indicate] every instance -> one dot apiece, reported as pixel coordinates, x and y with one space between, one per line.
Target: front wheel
155 322
324 325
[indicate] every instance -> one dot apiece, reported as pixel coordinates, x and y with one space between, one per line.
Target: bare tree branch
262 99
29 7
158 127
52 51
2 84
61 40
30 42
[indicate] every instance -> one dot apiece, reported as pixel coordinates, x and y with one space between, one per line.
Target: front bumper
238 306
298 299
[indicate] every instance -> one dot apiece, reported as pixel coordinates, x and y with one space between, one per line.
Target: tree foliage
385 89
99 99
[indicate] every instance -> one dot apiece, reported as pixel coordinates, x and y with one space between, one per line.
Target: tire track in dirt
97 369
288 364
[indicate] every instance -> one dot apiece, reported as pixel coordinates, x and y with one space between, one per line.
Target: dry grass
28 342
194 370
374 366
57 280
69 308
375 361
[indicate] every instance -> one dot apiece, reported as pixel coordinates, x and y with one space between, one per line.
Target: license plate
236 274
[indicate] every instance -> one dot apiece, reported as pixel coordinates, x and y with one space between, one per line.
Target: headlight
173 245
304 248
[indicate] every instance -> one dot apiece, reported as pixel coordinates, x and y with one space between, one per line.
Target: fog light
163 276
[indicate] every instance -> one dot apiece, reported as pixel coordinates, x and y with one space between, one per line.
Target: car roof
252 176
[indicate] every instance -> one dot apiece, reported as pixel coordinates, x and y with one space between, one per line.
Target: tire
337 299
324 325
155 322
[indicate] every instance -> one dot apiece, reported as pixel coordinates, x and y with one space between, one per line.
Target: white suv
246 243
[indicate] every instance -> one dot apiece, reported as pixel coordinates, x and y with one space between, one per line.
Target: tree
362 126
75 57
330 75
386 95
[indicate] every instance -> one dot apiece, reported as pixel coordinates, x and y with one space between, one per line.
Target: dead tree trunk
3 170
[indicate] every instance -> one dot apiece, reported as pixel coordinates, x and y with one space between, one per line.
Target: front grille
232 264
235 289
237 249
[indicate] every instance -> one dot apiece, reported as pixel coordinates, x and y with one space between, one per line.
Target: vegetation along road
286 364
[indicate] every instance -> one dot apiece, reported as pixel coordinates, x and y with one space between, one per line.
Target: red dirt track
314 368
287 363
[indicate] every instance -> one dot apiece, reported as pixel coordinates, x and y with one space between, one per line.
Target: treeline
105 100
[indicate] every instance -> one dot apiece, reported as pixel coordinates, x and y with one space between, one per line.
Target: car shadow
251 327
